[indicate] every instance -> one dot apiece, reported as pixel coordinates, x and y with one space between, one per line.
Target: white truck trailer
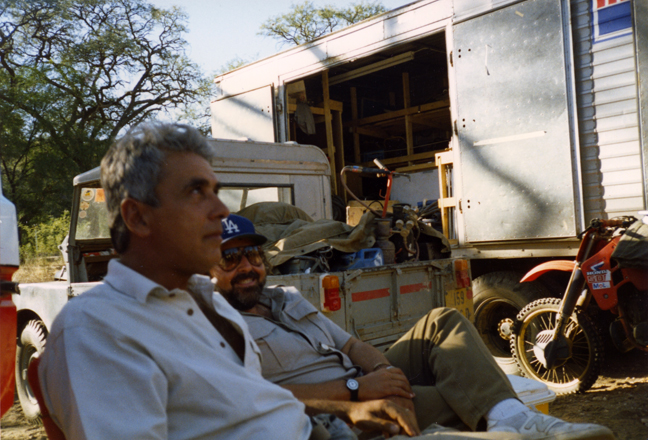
524 119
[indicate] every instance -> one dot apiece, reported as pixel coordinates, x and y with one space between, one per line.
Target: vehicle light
6 272
462 277
330 293
6 285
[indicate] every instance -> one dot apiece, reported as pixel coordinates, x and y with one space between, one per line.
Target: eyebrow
197 181
202 182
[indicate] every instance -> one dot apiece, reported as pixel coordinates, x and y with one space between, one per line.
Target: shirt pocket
276 356
307 318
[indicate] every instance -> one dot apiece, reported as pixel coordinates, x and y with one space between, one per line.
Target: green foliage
307 22
73 75
232 64
43 239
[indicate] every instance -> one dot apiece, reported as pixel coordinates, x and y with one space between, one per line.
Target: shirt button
223 344
190 312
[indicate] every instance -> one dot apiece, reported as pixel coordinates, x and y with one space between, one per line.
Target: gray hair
132 166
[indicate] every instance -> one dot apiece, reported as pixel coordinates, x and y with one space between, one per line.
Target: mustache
242 276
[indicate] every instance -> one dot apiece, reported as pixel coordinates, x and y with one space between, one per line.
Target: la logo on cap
230 226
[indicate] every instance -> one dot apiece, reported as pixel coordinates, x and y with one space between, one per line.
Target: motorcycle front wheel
579 371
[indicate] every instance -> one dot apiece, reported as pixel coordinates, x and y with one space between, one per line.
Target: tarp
632 250
291 232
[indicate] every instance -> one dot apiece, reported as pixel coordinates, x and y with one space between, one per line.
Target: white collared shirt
131 360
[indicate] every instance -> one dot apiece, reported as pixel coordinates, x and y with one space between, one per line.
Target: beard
244 298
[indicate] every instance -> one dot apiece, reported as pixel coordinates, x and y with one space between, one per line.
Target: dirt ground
618 400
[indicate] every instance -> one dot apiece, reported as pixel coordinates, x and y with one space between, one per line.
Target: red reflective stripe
411 288
369 294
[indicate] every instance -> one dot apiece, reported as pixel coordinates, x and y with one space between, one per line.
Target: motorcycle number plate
599 279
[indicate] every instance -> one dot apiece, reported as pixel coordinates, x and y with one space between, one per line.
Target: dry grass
38 270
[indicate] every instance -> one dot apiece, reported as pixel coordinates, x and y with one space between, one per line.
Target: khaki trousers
455 378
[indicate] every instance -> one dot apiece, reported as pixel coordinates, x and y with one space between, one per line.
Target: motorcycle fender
540 269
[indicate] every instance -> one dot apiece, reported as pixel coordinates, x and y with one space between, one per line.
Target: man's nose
244 265
219 210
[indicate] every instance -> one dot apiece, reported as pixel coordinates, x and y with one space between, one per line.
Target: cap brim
256 239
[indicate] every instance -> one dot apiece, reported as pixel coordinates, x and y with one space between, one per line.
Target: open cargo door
513 125
247 115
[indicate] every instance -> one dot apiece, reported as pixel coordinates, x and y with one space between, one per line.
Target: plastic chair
53 431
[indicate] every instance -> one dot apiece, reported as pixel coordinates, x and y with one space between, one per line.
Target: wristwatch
353 385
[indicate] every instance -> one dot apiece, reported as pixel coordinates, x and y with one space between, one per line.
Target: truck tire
32 342
575 374
498 297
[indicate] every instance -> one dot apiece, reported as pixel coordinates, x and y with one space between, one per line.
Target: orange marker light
330 293
462 276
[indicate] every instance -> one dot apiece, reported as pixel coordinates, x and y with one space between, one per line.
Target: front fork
558 348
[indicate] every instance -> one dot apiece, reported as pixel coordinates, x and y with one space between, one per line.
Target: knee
444 316
445 312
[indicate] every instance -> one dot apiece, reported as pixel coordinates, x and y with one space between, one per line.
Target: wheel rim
28 353
568 373
494 321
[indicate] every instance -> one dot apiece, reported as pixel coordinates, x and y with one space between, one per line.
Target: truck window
238 197
93 215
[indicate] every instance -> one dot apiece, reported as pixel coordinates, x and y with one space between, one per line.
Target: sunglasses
231 258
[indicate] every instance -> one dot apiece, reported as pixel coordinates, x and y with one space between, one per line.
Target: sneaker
535 425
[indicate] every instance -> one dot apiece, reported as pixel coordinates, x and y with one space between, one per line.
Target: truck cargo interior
393 106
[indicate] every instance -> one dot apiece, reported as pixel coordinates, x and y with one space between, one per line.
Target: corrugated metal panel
639 14
608 120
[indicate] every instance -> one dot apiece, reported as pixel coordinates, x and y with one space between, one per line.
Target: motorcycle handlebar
599 223
612 223
364 170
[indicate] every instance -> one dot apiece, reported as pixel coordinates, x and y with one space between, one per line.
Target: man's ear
136 217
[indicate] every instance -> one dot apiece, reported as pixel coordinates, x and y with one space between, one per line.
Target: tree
234 63
307 22
73 75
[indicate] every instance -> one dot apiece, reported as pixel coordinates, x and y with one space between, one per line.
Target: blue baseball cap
235 226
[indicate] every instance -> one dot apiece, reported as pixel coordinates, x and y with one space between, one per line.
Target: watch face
352 384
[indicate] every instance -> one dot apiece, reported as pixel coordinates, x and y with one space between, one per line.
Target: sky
222 30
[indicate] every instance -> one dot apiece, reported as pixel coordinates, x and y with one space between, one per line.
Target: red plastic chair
53 431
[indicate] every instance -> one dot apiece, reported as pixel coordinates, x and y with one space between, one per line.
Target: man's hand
377 415
401 401
383 416
384 383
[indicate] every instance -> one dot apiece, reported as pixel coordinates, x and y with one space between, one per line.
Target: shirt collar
132 283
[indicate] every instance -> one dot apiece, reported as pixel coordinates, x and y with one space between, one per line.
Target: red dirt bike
555 340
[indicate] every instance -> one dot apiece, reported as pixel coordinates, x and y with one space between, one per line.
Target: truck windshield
93 215
239 197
